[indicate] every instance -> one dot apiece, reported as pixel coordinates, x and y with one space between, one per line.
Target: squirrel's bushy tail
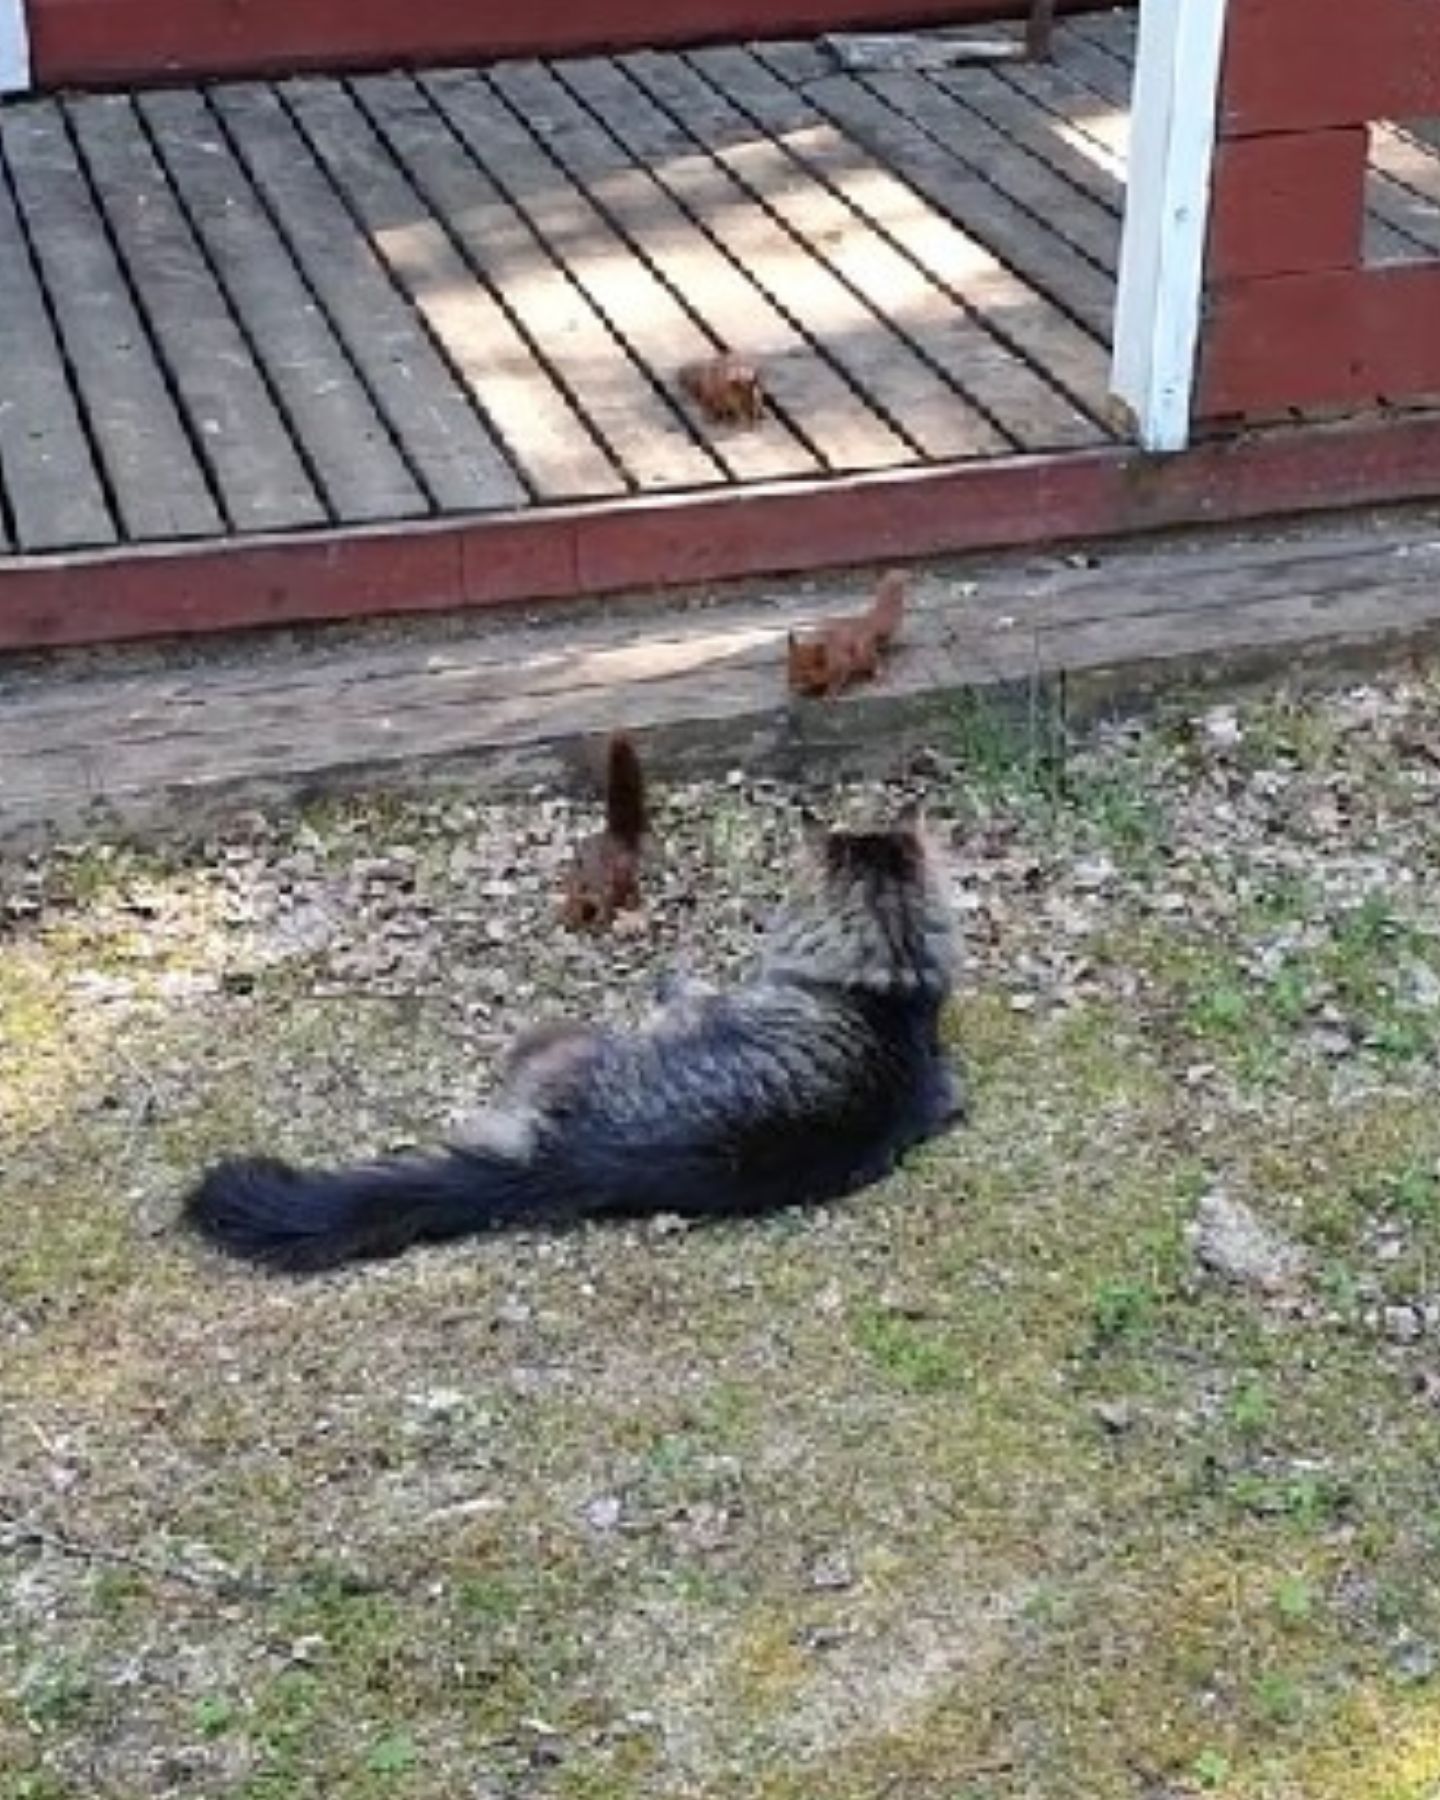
888 607
625 816
269 1212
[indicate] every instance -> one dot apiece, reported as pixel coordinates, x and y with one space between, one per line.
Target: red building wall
1294 317
91 42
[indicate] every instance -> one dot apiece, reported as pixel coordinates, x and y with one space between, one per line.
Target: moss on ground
974 1488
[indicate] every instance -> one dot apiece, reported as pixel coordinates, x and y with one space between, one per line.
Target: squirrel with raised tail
604 877
841 652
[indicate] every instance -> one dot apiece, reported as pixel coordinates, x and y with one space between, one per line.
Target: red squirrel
840 652
604 877
727 390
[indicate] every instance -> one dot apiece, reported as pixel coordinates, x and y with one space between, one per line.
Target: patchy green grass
976 1486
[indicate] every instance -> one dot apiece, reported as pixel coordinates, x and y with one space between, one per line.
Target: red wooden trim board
1335 337
1298 65
114 595
98 42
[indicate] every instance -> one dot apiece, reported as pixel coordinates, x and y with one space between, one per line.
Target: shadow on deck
323 348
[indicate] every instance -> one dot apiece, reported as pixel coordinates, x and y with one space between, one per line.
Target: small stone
831 1573
1233 1242
439 1403
1222 727
1413 1659
1093 872
603 1513
1402 1324
1424 985
1117 1416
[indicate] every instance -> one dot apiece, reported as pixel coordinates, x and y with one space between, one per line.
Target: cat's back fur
809 1080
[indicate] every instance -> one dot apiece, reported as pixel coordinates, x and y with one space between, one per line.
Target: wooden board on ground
502 705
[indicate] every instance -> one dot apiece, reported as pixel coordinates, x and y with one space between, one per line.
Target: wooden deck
265 316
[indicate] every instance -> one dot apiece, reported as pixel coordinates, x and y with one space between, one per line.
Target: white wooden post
14 48
1167 213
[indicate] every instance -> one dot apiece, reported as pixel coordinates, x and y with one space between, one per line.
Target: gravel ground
1093 1455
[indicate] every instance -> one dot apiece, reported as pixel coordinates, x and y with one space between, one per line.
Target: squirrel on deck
840 652
604 877
727 390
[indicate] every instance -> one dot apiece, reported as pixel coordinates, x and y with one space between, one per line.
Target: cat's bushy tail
272 1213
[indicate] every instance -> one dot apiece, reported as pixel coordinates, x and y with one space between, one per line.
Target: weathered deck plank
277 308
838 300
446 446
1056 268
940 415
820 308
51 483
133 419
1014 352
645 434
261 480
638 307
1007 164
1054 129
1103 125
347 445
1405 187
543 431
1403 199
817 405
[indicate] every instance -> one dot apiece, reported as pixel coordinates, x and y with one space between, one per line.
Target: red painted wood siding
94 42
1339 337
1294 317
1288 202
1298 65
